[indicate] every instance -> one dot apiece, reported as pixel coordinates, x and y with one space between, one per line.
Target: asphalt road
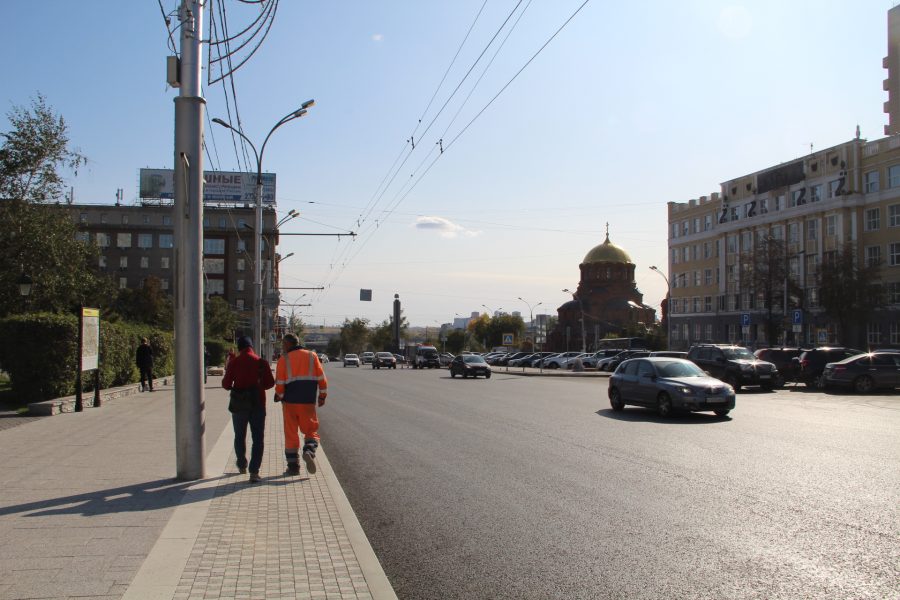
525 487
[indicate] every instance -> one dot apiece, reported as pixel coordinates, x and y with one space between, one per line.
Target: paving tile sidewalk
285 537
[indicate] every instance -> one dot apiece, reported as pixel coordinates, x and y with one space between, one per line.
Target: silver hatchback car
668 384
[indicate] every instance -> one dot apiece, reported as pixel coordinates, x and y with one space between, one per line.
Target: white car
351 360
559 361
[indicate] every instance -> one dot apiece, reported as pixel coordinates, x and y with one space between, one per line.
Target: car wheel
819 382
722 412
768 388
465 375
553 366
863 385
732 380
452 374
778 382
664 405
487 375
615 400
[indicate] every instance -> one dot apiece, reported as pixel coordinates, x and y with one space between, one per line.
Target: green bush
217 350
42 355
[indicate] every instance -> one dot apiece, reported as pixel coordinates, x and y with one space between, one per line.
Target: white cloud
377 37
446 228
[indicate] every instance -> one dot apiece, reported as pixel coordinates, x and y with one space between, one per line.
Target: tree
148 304
40 241
34 152
382 336
456 341
354 335
219 320
296 325
849 293
768 275
478 328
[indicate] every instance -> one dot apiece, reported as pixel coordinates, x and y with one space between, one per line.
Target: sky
630 106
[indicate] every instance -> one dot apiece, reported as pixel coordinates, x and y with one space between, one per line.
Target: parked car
570 362
865 372
611 363
591 361
783 359
384 359
492 359
542 361
401 360
504 361
445 358
367 358
734 365
812 364
535 360
559 360
668 384
351 360
522 361
469 365
323 358
668 354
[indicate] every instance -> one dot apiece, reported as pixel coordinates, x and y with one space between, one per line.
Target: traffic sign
797 316
508 339
745 319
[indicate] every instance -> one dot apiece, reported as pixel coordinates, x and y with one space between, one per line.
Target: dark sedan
469 365
384 359
865 372
668 384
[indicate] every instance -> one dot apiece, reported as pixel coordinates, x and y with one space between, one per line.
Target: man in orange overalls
299 383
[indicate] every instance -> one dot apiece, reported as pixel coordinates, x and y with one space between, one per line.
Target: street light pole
258 219
492 313
668 306
531 319
581 306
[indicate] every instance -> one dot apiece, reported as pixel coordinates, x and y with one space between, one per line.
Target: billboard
219 186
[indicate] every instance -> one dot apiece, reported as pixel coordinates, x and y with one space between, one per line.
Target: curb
555 373
66 404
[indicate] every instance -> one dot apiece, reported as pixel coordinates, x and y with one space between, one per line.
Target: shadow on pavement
162 493
645 415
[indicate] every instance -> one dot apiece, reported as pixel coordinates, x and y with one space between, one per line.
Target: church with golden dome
606 299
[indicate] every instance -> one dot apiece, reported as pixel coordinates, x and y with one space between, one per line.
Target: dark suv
783 359
735 365
812 364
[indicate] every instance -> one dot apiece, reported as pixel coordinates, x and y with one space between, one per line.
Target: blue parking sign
797 317
745 319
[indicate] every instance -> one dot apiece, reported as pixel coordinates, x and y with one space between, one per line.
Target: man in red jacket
247 371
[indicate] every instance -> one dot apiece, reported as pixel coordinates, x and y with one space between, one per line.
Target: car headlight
746 367
684 390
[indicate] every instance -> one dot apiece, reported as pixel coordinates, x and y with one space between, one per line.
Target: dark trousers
147 375
256 418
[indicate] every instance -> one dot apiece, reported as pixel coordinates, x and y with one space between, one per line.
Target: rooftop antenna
119 195
857 131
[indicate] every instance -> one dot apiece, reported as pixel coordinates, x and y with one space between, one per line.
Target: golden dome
607 252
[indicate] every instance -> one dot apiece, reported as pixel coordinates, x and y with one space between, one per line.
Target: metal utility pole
188 221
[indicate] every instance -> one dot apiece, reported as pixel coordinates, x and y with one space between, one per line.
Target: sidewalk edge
379 585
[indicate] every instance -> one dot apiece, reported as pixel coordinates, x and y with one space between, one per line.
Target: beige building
848 194
137 242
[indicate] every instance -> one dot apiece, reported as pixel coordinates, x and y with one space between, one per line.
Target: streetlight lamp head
24 285
219 121
308 104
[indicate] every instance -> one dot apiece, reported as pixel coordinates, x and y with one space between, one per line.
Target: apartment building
848 194
138 241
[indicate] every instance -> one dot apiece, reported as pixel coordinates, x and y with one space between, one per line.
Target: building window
894 215
102 262
707 276
674 230
871 182
222 223
164 262
746 241
815 193
707 250
731 244
164 284
124 219
215 286
167 220
214 266
894 292
873 256
873 333
123 283
213 246
734 213
894 254
145 240
83 217
239 303
145 262
707 222
697 225
778 232
894 176
166 240
241 246
831 225
793 233
242 224
895 333
812 230
779 202
697 279
812 297
206 221
833 188
873 219
103 217
697 331
764 206
674 259
709 335
707 304
83 236
123 240
123 262
748 210
240 285
145 219
685 227
797 197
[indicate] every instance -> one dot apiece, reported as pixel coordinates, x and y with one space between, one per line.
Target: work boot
241 470
309 459
255 478
292 469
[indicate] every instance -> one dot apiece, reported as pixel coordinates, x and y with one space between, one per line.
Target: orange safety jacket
299 377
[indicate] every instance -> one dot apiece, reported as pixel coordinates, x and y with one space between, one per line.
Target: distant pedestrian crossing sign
508 339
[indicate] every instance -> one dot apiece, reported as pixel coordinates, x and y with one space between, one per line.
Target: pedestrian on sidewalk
300 383
144 360
248 377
